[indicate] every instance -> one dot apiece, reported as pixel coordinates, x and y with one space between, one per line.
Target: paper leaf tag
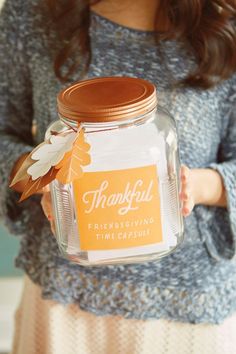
33 187
70 166
22 174
50 154
61 157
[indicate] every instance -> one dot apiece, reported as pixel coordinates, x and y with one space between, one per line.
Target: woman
185 303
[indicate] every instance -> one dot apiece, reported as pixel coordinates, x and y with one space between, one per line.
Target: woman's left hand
201 186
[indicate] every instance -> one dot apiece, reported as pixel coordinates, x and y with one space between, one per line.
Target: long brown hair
206 26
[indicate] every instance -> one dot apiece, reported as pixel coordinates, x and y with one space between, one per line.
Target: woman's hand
187 190
201 186
46 204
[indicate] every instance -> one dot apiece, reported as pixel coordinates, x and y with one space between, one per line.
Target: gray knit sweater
197 283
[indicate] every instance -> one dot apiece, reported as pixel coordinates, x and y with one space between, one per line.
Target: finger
47 205
44 203
187 207
184 174
46 189
185 194
52 223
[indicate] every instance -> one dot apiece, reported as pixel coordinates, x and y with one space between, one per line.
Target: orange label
118 209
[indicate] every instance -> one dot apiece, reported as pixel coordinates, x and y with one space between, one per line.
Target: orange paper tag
118 209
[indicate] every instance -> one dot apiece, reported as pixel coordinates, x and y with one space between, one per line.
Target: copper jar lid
107 99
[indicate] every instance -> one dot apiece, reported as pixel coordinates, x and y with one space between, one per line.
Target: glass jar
125 208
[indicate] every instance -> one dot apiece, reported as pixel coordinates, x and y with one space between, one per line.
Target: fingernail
186 211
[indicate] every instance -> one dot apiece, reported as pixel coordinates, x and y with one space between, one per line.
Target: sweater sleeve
15 112
221 242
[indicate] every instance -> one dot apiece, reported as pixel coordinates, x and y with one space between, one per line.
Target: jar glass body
122 150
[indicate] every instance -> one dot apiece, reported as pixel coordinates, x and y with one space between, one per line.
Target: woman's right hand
46 204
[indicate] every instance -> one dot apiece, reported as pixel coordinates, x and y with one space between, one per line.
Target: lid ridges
97 99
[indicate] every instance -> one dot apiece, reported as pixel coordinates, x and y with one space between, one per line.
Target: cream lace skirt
45 327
